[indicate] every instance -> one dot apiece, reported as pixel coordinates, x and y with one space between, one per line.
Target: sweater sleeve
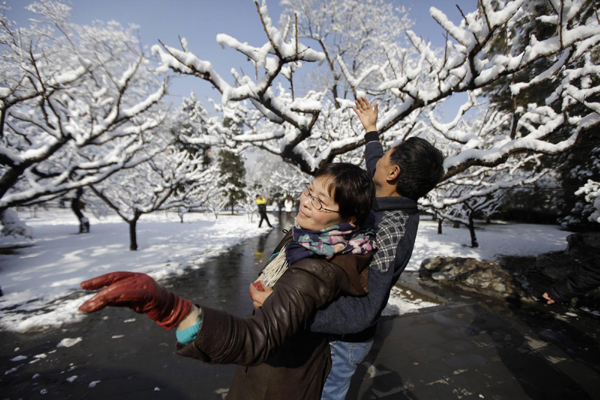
373 151
396 234
226 339
349 314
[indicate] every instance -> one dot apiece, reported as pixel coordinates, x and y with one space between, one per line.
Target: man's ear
393 174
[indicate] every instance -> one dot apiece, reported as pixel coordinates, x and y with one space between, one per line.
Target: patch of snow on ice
68 342
399 304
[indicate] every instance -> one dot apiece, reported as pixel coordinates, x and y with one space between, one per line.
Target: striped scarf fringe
275 269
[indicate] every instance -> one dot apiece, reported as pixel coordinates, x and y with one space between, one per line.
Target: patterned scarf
343 238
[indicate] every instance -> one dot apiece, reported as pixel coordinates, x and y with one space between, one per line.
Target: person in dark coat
77 205
261 202
584 276
324 255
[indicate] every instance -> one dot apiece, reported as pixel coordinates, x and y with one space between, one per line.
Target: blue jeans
345 357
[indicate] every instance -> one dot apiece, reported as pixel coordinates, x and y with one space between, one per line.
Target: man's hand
547 297
138 292
259 293
366 114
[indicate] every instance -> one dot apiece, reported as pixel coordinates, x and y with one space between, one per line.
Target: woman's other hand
259 293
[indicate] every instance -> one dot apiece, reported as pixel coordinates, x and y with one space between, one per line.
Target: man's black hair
421 167
352 187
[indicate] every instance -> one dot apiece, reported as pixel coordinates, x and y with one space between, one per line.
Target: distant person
288 204
324 255
77 205
584 276
261 202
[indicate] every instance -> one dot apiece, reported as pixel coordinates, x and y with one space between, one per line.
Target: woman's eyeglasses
315 201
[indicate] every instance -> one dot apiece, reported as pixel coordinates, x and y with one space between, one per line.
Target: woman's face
309 216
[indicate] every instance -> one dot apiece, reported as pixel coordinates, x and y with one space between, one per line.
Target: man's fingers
105 280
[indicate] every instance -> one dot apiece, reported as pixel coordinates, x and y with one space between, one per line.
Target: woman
324 255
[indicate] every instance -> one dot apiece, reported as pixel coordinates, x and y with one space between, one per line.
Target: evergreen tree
233 174
573 167
191 125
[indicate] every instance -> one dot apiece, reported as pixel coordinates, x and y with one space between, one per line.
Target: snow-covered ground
37 282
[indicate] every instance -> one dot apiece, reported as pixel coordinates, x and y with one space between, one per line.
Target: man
402 175
262 210
77 205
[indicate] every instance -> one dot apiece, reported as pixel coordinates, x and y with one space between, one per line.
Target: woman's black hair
351 188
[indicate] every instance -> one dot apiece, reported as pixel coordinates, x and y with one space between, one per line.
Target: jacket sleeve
226 339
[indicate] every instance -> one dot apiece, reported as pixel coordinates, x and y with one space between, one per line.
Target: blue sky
199 21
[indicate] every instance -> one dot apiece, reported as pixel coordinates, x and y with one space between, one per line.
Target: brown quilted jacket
278 357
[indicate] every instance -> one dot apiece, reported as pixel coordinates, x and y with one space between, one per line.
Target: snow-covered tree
310 131
13 226
591 190
232 174
190 128
576 169
267 173
77 103
171 179
290 181
217 202
478 191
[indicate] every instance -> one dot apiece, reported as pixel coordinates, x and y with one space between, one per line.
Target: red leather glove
138 292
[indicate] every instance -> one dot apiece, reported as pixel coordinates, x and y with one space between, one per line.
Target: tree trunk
232 208
474 243
132 231
439 227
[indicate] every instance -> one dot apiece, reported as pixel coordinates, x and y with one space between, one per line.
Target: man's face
383 169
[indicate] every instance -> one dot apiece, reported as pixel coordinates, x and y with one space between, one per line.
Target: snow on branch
72 112
591 190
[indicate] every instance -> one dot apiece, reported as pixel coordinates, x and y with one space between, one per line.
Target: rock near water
481 276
